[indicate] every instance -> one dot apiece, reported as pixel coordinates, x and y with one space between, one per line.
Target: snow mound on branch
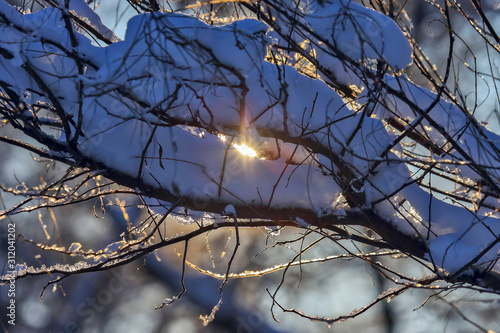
338 32
360 33
238 45
184 71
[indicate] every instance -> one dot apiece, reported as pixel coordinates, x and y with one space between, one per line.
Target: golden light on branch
279 267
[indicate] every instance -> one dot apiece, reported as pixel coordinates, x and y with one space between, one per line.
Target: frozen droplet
74 247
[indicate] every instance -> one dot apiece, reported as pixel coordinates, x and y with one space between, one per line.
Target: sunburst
245 150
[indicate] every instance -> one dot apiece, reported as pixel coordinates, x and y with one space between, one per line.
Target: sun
245 150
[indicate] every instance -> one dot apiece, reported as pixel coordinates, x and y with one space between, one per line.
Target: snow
155 106
359 32
453 121
345 28
114 247
21 269
82 10
74 247
302 223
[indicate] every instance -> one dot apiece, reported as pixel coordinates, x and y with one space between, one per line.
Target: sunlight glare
245 150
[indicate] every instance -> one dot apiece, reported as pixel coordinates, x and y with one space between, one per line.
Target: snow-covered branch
295 116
